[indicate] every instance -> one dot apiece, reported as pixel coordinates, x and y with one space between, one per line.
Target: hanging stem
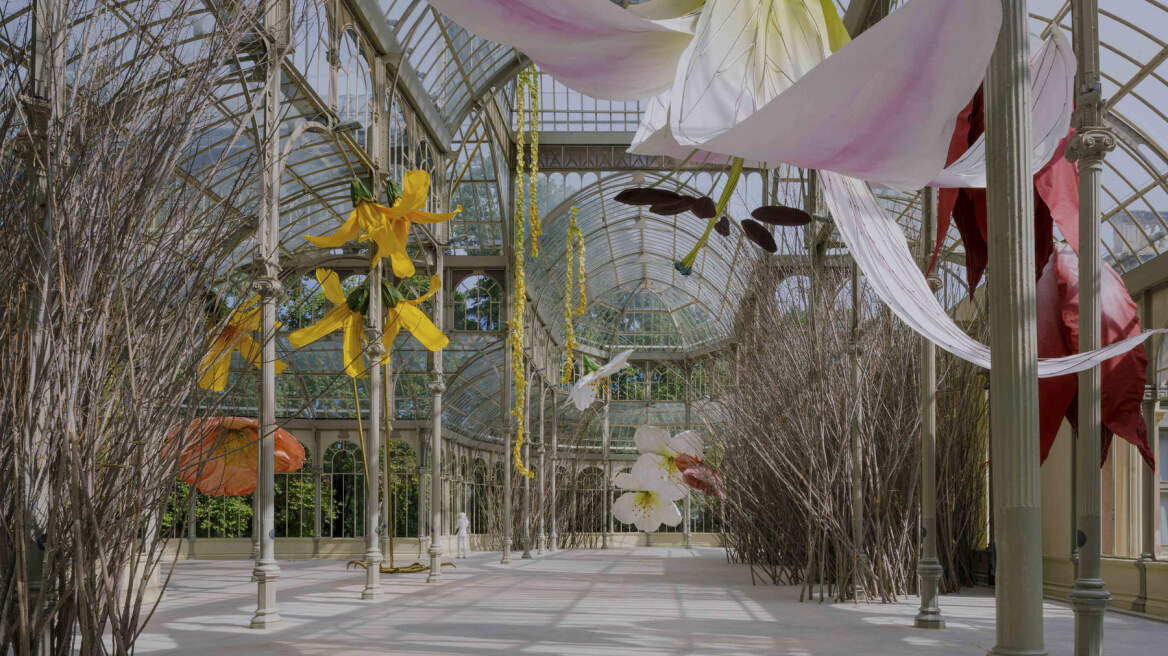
360 430
685 266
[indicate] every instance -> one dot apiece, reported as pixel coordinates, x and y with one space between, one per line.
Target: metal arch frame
593 193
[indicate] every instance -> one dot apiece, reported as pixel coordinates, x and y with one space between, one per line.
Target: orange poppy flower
221 458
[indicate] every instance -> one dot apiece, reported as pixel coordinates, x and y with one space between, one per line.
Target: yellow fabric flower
216 364
388 227
407 315
342 316
345 316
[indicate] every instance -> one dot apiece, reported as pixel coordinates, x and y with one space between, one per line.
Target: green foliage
478 301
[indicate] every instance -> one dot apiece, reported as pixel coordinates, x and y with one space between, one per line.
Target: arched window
296 501
666 385
403 476
628 384
477 504
477 303
588 515
342 513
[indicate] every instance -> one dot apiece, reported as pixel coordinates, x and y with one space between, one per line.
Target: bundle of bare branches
119 212
791 409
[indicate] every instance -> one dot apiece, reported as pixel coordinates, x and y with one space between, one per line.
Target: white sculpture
462 529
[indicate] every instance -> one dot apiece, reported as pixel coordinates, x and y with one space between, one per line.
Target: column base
1089 600
1140 603
267 614
929 616
372 588
506 560
929 620
540 544
435 551
552 542
688 542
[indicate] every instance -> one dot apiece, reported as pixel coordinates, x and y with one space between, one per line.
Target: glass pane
1163 450
1164 518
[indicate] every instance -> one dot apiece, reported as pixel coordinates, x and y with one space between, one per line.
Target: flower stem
685 266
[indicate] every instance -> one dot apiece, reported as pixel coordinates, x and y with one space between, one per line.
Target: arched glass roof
1133 52
450 99
636 296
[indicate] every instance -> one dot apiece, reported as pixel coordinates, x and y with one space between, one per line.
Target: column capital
375 349
1090 144
934 280
438 385
268 287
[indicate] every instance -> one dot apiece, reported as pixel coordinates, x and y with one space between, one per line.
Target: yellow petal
246 316
837 34
431 217
420 326
388 239
415 188
249 349
330 322
351 350
392 327
216 364
330 284
253 353
403 266
345 234
435 286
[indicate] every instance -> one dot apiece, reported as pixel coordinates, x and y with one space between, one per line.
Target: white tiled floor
620 602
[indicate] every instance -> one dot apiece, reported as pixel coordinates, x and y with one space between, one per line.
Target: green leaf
390 295
392 192
358 192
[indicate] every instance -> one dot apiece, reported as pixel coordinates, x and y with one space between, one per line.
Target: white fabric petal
624 508
583 393
1052 75
882 107
743 54
648 523
651 439
592 46
658 473
668 514
614 365
689 442
625 481
641 509
876 241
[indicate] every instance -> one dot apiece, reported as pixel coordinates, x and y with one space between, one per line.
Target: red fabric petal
969 213
968 206
1055 394
958 144
1122 377
1056 193
700 476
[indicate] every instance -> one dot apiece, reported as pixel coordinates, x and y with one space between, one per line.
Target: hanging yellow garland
516 338
574 252
579 236
533 161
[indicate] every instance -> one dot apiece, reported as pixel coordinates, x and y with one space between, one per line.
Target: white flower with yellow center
659 453
649 501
